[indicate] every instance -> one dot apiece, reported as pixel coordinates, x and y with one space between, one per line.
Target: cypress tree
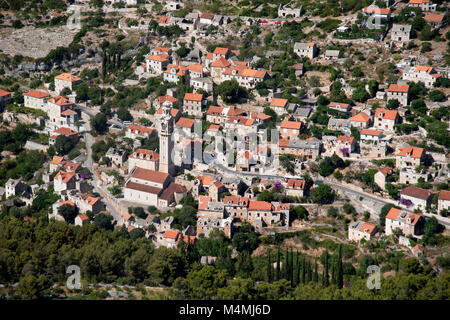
304 271
277 271
333 275
104 64
340 271
326 280
269 268
286 266
316 275
309 271
295 270
291 267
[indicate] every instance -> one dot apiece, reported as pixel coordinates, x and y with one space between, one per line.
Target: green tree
68 212
100 123
103 221
33 287
322 194
230 91
63 144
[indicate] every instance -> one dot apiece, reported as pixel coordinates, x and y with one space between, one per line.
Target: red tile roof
296 184
290 124
386 171
150 175
214 110
140 129
4 93
278 102
65 131
65 176
367 228
165 98
386 114
146 154
236 200
143 188
171 234
444 195
404 88
260 205
185 123
68 77
412 152
220 63
371 132
377 10
433 17
206 15
203 202
346 139
61 101
416 193
393 214
193 97
360 117
37 94
163 19
159 57
221 51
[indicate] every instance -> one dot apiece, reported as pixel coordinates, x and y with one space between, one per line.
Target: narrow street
97 183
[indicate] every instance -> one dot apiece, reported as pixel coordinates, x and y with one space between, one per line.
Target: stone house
295 188
381 177
401 33
410 157
424 74
143 158
290 129
279 105
410 176
5 97
306 49
360 120
156 63
371 135
424 5
409 223
36 99
385 119
444 200
359 230
345 145
288 10
66 80
64 181
399 92
421 198
117 156
193 103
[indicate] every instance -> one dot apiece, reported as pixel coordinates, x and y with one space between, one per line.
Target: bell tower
166 142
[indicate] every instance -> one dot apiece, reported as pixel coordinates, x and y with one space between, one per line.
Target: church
156 187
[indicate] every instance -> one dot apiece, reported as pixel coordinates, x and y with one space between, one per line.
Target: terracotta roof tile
404 88
193 97
37 94
150 175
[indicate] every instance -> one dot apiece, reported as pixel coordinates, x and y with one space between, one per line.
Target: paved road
366 196
89 163
381 201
